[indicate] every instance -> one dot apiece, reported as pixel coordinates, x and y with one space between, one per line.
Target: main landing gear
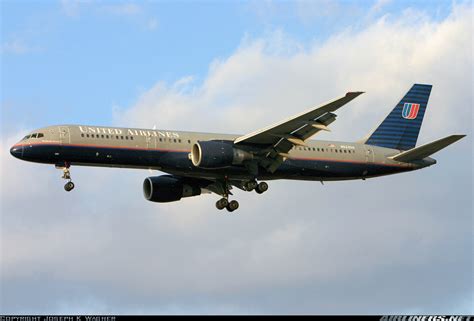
260 188
224 203
233 205
69 186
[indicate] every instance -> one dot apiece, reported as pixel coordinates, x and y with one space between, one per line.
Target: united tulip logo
410 111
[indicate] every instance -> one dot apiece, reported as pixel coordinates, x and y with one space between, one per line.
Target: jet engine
217 154
167 188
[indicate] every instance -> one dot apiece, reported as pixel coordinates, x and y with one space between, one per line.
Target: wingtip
354 93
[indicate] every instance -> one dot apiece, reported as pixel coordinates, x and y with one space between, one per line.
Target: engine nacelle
217 154
167 188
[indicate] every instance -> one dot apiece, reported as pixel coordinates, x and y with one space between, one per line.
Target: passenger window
82 135
174 140
102 136
336 150
131 137
161 139
189 141
87 135
107 136
126 137
179 140
92 135
116 137
121 137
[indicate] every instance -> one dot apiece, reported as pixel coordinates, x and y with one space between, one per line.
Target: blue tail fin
401 127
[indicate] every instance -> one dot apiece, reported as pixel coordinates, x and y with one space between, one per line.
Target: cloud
122 9
16 46
72 8
152 24
136 13
384 60
398 244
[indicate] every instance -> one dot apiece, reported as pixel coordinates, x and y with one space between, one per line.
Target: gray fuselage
169 151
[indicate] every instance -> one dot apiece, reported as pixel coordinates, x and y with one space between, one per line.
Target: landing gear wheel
261 187
232 206
69 186
250 186
222 203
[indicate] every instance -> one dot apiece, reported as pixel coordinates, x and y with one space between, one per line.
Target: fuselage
169 151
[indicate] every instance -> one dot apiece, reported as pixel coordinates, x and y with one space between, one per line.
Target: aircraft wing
277 140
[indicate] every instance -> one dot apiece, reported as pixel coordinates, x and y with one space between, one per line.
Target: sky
389 245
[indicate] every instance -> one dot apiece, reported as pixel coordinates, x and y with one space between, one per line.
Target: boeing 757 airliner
203 162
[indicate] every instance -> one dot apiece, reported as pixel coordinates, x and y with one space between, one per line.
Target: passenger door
64 135
369 154
150 142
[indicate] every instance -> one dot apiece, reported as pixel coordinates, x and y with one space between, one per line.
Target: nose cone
16 151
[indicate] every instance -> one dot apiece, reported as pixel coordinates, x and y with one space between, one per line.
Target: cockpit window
34 135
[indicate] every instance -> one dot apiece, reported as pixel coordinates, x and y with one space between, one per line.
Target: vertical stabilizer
401 127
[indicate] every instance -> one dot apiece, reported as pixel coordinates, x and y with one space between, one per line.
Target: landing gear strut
69 186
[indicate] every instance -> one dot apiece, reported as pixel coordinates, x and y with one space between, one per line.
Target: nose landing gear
69 186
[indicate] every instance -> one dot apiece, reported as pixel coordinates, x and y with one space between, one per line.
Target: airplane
197 163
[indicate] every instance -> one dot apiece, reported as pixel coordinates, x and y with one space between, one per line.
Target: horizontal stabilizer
426 150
